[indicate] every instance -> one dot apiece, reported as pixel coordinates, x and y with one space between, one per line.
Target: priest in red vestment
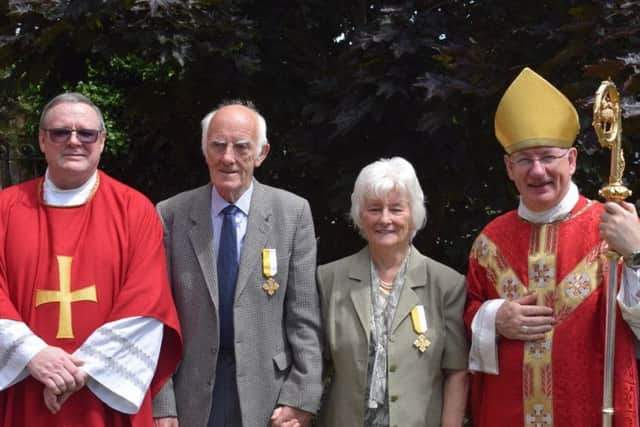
88 328
537 279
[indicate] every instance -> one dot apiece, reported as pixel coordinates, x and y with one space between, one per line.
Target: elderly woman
394 333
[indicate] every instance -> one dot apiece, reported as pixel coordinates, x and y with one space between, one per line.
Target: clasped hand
522 319
60 374
283 416
288 416
620 228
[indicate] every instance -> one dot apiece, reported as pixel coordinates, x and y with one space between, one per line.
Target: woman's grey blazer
415 379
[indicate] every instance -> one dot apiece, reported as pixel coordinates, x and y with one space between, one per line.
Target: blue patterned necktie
227 275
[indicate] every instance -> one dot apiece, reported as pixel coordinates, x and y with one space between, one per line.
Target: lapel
359 275
201 237
416 278
258 228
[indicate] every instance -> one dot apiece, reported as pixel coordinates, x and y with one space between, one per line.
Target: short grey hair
381 177
70 98
261 123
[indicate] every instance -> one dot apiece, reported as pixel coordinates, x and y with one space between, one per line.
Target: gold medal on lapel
270 269
421 343
419 322
270 286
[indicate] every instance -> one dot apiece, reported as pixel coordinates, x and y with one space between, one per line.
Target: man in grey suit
241 258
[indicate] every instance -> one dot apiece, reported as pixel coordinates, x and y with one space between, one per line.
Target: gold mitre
533 113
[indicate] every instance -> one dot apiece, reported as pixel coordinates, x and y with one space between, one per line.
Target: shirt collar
556 213
55 196
218 203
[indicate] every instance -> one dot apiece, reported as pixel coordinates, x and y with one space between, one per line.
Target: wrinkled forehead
234 122
538 151
391 194
72 112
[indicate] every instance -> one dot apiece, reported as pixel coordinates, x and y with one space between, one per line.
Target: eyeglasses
62 135
546 160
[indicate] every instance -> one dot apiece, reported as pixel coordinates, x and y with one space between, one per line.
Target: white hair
261 128
378 179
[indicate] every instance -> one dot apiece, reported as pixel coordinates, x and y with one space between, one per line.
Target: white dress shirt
240 219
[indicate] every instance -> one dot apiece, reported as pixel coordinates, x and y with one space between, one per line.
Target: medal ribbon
419 319
269 262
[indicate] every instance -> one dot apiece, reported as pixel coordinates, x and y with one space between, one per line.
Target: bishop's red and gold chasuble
557 381
66 271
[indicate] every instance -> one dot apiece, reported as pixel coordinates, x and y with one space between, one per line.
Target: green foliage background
341 83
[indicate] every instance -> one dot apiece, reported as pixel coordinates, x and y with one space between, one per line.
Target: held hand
57 370
55 401
51 400
288 416
620 228
165 422
522 319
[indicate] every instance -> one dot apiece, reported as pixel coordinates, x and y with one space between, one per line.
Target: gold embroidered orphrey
421 343
65 297
562 294
270 269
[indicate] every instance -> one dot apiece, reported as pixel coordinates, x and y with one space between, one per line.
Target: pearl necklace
386 286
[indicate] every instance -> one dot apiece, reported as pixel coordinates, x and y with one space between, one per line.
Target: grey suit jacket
277 338
414 379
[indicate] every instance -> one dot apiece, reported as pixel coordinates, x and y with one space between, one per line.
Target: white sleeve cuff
121 358
18 344
483 355
629 294
629 298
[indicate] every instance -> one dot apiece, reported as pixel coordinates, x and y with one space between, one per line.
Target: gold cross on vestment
421 343
65 297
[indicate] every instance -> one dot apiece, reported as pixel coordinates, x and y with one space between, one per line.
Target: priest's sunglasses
525 162
63 135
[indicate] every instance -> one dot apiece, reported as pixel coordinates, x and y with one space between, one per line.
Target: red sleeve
7 308
145 290
477 288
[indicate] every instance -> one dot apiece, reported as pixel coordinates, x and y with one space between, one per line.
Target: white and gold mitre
533 113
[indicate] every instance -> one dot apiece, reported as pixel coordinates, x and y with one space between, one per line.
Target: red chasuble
105 261
558 381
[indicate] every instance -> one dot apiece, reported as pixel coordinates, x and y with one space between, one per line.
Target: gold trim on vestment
563 298
537 373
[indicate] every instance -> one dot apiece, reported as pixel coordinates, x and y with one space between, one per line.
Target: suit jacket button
392 368
393 398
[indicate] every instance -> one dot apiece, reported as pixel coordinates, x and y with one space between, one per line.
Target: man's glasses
62 135
524 163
